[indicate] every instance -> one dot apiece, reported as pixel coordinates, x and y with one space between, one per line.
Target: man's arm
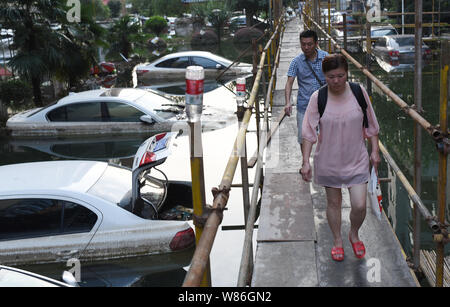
287 95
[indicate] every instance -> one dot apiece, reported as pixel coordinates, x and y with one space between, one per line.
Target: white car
116 110
173 67
12 277
56 210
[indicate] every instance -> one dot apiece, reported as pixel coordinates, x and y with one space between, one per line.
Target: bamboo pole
201 255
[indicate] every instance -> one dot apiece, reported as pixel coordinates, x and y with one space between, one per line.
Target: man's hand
288 109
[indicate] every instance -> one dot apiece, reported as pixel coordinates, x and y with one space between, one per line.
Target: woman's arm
375 153
306 170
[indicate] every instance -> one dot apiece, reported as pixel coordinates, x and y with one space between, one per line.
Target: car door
212 68
172 68
380 49
45 228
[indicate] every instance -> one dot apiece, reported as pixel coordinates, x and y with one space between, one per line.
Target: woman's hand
306 172
375 159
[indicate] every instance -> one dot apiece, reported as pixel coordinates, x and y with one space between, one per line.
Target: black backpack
357 91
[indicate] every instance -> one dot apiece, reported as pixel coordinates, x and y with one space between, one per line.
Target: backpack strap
357 92
322 99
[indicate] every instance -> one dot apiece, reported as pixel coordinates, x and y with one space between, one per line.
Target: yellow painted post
442 176
194 105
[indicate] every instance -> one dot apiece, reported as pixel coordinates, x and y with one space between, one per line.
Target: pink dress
341 158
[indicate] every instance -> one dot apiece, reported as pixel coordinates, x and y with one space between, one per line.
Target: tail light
182 240
394 53
140 72
148 157
427 51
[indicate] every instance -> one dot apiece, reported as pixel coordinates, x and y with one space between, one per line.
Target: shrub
156 24
15 92
207 37
245 35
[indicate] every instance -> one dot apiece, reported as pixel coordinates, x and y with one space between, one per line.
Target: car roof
400 35
130 94
77 176
192 53
382 27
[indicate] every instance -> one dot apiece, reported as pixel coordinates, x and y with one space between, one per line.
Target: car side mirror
147 119
69 279
219 67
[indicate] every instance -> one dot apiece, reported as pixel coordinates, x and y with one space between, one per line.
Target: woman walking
341 159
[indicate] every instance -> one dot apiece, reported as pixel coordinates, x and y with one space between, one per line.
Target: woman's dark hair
334 61
309 33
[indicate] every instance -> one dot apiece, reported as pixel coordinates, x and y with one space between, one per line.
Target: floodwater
169 270
157 270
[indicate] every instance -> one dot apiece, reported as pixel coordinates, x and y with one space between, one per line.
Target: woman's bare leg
358 194
334 205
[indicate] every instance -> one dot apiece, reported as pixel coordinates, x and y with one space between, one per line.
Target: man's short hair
309 33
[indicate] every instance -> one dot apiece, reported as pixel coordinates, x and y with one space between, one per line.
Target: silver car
116 110
398 48
173 67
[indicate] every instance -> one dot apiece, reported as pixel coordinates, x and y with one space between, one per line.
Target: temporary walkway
294 241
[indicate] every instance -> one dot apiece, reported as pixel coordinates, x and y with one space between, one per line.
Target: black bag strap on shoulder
357 92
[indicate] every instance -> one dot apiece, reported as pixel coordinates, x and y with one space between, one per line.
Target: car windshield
402 41
383 32
113 185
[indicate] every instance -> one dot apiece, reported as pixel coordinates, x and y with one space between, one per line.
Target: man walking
307 68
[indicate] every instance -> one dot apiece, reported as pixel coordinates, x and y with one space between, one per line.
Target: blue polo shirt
307 82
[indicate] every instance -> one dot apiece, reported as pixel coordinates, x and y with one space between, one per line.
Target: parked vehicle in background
118 110
379 31
173 67
238 22
55 210
398 48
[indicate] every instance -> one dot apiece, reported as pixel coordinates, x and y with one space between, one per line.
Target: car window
404 41
77 112
381 42
30 218
383 32
122 112
178 62
204 62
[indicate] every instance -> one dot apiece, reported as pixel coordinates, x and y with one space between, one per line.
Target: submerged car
116 110
379 31
173 67
398 48
56 210
13 277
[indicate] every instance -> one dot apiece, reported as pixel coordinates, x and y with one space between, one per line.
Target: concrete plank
383 266
286 264
286 209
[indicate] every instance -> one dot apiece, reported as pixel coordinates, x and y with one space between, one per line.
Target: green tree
114 7
123 35
218 14
37 45
252 7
